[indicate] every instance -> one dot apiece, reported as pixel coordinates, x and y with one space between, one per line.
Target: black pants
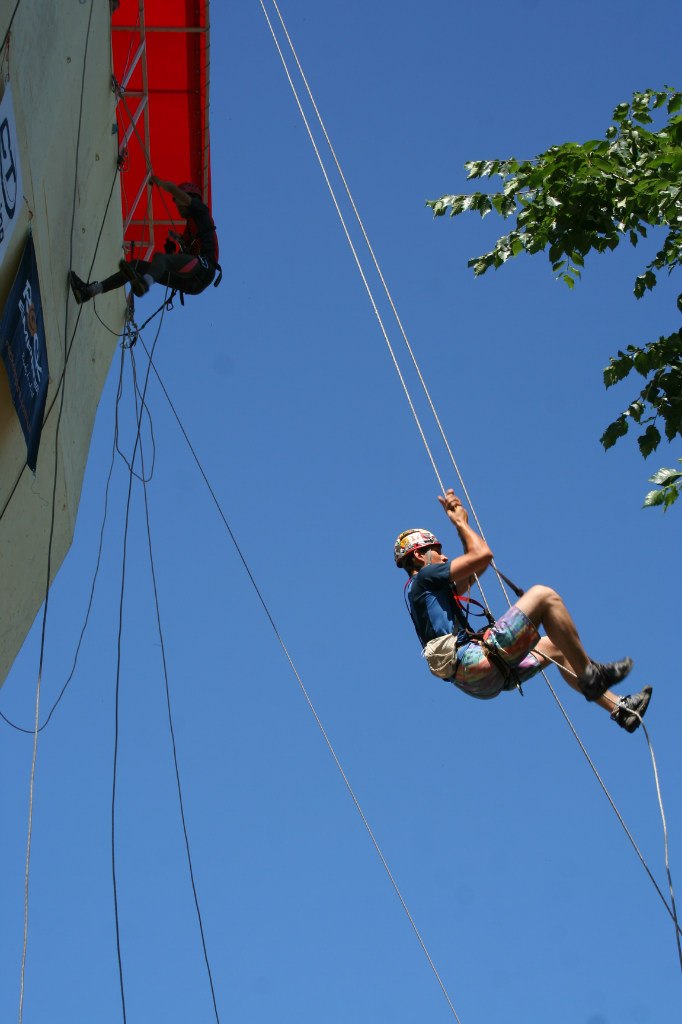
186 273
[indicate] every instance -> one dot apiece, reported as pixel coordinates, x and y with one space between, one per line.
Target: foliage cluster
577 198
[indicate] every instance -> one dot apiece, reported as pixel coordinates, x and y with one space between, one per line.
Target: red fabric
177 88
189 267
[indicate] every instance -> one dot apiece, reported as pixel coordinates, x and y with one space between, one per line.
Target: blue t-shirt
432 605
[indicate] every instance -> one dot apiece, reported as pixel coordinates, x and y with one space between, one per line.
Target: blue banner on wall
24 353
11 186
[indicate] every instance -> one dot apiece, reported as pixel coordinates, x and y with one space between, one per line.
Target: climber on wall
190 260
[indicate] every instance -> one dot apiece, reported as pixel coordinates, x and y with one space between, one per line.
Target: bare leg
562 645
544 607
547 653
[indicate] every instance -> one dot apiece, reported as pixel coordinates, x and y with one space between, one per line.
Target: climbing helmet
413 540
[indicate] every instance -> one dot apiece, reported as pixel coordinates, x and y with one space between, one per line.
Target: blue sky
527 893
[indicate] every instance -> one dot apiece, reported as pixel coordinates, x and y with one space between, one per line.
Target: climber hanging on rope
189 270
510 650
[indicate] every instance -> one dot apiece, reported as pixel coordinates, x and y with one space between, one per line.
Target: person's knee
539 601
543 595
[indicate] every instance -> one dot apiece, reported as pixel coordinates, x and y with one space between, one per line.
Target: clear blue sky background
526 891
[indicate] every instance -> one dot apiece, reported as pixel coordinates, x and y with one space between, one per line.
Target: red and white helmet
413 540
190 188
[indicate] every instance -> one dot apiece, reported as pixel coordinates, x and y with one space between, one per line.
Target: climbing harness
441 652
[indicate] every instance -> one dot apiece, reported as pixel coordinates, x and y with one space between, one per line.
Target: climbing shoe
631 710
137 283
599 678
81 290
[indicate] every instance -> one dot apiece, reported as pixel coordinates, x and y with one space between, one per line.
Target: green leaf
664 476
642 362
618 428
618 369
667 496
579 198
649 440
654 498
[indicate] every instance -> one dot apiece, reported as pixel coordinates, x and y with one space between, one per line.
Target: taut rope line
302 687
354 251
169 709
53 509
672 911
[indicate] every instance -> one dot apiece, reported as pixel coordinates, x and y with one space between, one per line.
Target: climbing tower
98 96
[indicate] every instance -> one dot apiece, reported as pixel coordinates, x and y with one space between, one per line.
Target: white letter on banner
11 189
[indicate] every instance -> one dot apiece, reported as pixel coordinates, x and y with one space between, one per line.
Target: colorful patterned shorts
512 638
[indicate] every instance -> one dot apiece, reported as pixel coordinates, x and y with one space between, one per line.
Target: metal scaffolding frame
132 131
133 111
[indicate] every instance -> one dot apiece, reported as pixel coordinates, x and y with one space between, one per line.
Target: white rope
305 693
678 931
672 912
353 249
29 837
465 491
392 304
36 729
435 469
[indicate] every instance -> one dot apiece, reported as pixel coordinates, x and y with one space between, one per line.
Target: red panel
171 39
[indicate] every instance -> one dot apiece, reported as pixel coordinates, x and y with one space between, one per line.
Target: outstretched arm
169 186
477 555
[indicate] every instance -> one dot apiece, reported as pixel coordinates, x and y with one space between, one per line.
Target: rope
143 409
678 931
422 381
384 284
49 555
120 93
114 449
592 765
301 685
20 728
118 679
354 252
9 27
170 718
57 389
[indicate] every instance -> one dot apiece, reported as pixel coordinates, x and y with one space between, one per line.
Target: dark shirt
433 608
200 237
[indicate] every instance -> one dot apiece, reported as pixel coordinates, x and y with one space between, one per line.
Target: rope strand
171 727
425 389
301 685
117 689
53 510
